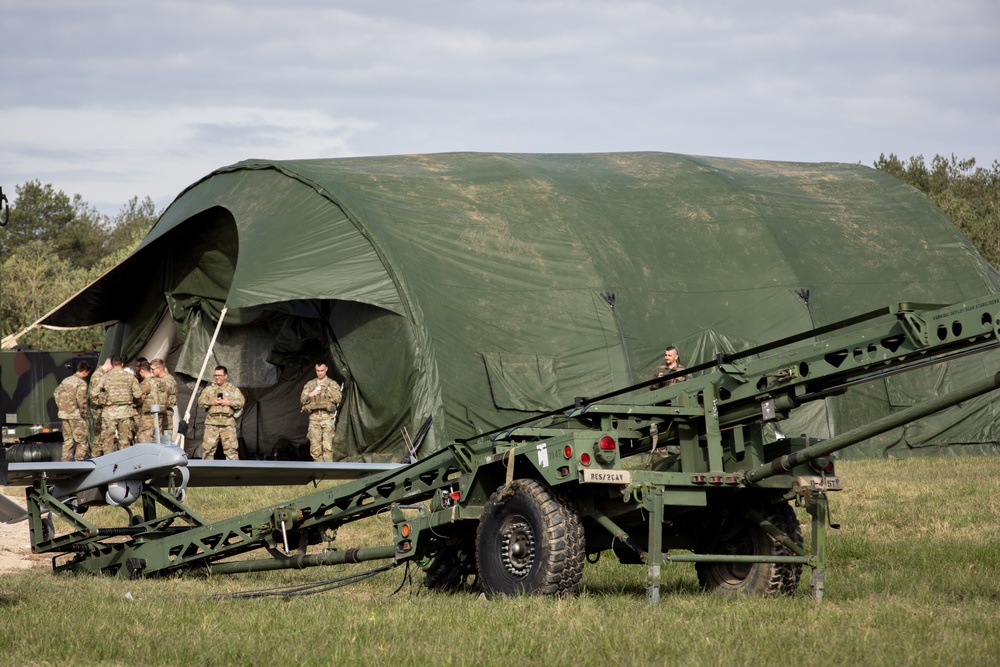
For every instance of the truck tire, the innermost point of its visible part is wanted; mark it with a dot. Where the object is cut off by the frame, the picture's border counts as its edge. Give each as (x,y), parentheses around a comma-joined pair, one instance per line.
(529,541)
(750,539)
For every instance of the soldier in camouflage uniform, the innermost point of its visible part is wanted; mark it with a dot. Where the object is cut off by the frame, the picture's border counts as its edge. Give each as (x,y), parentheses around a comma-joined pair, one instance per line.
(167,389)
(71,399)
(222,400)
(320,398)
(146,430)
(134,370)
(118,395)
(95,386)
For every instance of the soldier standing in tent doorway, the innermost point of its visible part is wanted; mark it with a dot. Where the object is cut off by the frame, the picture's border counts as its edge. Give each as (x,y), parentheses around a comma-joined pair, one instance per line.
(71,399)
(117,394)
(222,400)
(320,398)
(671,364)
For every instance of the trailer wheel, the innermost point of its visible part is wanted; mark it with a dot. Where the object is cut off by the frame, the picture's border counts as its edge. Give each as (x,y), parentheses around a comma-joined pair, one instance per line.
(48,529)
(529,541)
(747,538)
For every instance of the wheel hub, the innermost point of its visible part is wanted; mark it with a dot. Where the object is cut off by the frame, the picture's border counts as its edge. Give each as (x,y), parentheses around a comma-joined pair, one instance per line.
(517,547)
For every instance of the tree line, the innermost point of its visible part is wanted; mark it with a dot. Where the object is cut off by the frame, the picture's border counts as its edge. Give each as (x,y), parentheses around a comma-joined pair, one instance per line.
(54,245)
(968,194)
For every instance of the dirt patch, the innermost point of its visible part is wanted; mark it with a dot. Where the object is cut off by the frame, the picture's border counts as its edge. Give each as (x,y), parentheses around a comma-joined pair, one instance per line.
(15,549)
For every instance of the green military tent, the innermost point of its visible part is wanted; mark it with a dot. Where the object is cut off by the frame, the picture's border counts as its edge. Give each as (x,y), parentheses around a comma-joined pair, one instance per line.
(477,289)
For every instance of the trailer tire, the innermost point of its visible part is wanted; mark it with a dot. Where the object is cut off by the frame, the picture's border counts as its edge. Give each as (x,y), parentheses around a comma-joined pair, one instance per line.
(530,541)
(750,539)
(48,529)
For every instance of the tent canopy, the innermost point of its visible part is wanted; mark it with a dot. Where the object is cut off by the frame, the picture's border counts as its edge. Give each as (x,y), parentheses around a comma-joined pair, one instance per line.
(476,289)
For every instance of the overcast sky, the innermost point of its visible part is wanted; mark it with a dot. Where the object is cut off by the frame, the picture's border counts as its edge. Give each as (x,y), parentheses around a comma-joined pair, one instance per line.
(115,99)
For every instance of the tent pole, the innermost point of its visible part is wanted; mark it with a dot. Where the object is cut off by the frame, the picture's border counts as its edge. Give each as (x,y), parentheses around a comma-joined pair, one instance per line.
(179,437)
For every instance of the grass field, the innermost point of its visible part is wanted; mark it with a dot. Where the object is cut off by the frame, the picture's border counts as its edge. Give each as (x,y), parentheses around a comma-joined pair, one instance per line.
(913,579)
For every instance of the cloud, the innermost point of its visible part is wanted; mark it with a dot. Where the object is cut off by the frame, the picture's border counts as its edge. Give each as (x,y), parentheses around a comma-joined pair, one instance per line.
(124,100)
(115,154)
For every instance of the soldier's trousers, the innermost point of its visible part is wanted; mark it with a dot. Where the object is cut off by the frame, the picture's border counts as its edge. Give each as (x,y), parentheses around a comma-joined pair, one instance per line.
(227,434)
(147,428)
(108,442)
(98,424)
(75,437)
(166,422)
(321,436)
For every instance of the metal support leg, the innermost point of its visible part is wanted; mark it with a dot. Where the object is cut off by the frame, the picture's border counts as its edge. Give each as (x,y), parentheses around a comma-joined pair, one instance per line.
(818,507)
(654,555)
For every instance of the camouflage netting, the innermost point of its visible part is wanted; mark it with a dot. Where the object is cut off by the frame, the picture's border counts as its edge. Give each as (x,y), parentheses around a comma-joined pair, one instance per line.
(475,288)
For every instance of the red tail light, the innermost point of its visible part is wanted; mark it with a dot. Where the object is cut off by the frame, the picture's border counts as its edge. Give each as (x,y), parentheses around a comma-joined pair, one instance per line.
(606,444)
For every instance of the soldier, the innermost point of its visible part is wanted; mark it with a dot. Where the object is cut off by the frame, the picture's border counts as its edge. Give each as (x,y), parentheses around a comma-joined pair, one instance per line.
(168,394)
(95,388)
(320,398)
(222,401)
(118,394)
(134,370)
(71,399)
(146,430)
(671,364)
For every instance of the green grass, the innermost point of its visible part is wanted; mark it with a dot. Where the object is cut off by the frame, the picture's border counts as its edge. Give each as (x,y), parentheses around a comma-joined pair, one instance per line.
(913,579)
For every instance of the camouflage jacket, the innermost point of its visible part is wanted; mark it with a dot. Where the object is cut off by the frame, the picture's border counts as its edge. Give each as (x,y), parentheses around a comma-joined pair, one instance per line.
(119,393)
(326,401)
(150,395)
(96,382)
(158,391)
(71,398)
(221,415)
(167,389)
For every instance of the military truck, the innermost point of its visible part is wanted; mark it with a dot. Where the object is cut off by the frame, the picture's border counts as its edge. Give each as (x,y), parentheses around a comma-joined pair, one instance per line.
(27,380)
(692,472)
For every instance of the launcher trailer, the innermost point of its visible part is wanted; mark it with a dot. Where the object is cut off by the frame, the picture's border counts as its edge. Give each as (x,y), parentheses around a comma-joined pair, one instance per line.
(689,472)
